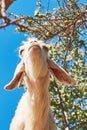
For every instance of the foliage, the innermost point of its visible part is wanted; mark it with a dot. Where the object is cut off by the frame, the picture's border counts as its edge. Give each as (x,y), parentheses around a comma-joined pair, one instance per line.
(64,28)
(69,103)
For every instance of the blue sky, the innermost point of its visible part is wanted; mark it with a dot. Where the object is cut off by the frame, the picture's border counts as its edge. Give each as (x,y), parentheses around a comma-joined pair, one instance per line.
(9,43)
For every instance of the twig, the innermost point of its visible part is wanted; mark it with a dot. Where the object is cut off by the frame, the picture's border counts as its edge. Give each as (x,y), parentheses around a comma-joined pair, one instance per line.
(79,124)
(64,117)
(65,120)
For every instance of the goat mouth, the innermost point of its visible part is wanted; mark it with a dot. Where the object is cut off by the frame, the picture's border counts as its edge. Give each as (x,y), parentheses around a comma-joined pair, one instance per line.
(34,46)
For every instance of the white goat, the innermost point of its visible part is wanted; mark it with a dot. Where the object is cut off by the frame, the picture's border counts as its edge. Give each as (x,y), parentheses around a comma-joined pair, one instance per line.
(33,111)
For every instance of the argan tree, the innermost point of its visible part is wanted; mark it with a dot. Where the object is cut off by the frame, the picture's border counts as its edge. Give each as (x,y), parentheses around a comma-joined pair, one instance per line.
(64,30)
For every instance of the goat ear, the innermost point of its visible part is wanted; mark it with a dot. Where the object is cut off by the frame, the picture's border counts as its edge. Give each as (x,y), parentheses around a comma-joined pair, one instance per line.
(17,79)
(60,73)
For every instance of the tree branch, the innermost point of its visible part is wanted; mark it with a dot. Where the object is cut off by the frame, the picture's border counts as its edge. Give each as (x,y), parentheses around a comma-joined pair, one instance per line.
(55,26)
(19,24)
(64,116)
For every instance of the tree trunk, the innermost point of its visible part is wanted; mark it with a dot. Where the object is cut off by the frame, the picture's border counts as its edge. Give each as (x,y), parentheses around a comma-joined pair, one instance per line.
(4,5)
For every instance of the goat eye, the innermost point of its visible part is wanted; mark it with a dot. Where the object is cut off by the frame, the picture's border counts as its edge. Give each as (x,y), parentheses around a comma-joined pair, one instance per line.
(45,48)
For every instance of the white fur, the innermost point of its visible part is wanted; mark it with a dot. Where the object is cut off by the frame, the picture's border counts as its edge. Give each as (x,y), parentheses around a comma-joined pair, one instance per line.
(33,111)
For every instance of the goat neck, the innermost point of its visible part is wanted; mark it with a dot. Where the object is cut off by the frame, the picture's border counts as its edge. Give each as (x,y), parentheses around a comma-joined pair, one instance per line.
(39,97)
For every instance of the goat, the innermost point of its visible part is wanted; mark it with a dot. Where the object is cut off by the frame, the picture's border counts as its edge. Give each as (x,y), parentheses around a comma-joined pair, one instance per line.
(33,111)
